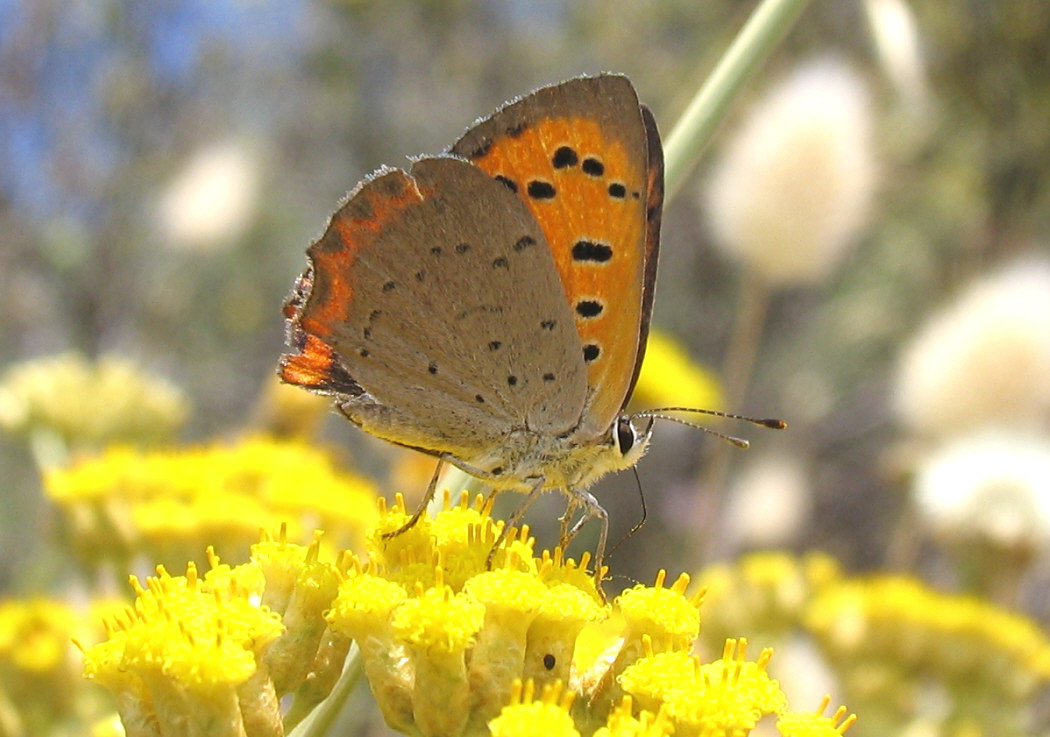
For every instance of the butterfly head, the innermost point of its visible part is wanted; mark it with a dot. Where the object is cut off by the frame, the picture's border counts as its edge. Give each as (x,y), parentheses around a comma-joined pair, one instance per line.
(622,447)
(633,434)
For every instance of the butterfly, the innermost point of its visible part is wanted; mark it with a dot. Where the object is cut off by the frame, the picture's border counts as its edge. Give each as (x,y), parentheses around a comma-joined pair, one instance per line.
(490,305)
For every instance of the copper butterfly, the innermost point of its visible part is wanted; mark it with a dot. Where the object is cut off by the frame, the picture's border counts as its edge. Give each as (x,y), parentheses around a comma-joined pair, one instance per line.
(490,305)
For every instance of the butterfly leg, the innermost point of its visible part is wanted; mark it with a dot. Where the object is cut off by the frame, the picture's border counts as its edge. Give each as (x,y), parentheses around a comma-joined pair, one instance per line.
(591,510)
(515,519)
(490,499)
(423,504)
(567,534)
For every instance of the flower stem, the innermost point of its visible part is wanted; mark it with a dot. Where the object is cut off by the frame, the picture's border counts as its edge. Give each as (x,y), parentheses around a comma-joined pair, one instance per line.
(695,129)
(320,720)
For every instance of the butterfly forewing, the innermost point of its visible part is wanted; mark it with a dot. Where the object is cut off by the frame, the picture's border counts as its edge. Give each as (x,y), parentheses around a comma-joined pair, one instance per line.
(577,154)
(435,296)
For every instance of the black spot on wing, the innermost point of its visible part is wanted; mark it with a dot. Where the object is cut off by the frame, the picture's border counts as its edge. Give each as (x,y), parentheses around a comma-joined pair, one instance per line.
(591,251)
(589,308)
(565,157)
(541,190)
(592,166)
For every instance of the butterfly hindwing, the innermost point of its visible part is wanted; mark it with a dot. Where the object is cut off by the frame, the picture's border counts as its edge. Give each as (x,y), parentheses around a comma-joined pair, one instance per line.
(414,315)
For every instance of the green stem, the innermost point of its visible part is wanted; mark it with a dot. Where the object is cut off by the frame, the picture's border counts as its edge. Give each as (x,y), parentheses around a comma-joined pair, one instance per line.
(320,720)
(695,129)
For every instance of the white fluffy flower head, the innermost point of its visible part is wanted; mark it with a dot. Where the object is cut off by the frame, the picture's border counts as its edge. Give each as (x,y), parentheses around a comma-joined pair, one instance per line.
(211,201)
(984,359)
(992,485)
(794,185)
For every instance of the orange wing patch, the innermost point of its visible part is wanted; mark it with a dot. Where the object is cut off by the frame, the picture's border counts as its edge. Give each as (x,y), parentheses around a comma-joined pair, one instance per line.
(324,294)
(589,196)
(311,367)
(354,227)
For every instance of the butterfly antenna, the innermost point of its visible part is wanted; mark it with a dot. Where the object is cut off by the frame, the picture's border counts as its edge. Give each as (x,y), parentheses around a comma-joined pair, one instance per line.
(660,413)
(731,439)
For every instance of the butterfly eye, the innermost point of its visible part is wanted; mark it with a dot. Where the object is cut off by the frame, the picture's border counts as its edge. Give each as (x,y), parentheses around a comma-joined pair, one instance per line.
(625,435)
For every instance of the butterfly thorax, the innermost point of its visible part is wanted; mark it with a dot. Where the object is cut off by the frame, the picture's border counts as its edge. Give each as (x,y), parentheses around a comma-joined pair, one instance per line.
(568,462)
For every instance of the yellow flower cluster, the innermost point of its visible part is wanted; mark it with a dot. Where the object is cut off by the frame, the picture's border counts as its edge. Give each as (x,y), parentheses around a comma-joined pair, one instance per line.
(168,505)
(39,670)
(970,644)
(90,403)
(764,594)
(215,655)
(891,642)
(525,715)
(549,716)
(727,696)
(450,644)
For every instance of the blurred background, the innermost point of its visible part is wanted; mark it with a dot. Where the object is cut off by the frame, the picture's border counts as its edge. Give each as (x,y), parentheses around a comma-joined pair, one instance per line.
(863,251)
